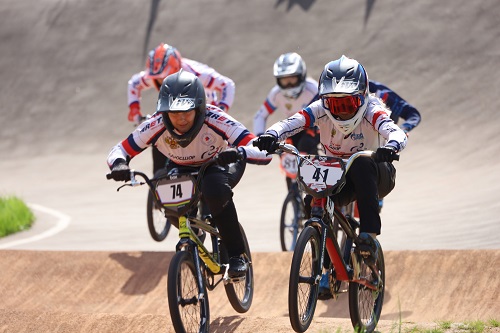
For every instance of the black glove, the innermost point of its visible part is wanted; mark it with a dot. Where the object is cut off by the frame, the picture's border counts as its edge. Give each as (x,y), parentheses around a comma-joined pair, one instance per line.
(228,156)
(267,142)
(120,172)
(385,154)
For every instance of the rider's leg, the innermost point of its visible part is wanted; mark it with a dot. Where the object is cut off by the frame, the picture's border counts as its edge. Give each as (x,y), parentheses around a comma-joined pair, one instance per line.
(217,189)
(159,160)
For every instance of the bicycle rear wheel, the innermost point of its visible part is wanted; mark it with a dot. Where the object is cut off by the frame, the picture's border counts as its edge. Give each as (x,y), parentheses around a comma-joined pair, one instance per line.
(189,313)
(365,305)
(158,224)
(304,279)
(290,222)
(240,293)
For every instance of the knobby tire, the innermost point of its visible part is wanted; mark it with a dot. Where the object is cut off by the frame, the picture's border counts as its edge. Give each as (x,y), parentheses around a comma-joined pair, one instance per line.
(188,313)
(365,305)
(290,224)
(158,224)
(303,286)
(240,294)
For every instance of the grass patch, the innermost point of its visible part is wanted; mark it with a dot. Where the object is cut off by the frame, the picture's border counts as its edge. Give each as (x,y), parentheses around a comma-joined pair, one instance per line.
(14,216)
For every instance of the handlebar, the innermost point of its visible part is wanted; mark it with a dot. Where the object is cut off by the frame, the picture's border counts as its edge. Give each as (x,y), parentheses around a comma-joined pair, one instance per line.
(288,148)
(133,182)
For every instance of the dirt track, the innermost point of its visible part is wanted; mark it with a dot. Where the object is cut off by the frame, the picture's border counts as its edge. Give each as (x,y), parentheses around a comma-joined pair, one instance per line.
(88,265)
(126,292)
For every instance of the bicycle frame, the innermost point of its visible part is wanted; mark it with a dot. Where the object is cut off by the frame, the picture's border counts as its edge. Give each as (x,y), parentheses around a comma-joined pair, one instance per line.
(188,238)
(326,213)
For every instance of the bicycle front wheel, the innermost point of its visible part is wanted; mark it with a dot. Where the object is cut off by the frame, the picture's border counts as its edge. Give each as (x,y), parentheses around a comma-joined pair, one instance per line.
(188,306)
(365,305)
(290,222)
(158,224)
(240,293)
(304,279)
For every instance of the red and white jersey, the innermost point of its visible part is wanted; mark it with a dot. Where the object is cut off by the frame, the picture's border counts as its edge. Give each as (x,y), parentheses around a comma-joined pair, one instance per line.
(220,89)
(218,130)
(277,101)
(375,130)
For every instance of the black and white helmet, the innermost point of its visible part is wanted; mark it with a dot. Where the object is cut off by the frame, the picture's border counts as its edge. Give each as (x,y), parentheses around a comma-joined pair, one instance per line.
(290,64)
(343,89)
(182,92)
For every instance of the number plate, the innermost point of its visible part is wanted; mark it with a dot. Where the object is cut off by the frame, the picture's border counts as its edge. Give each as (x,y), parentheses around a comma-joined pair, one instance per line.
(321,175)
(288,164)
(175,192)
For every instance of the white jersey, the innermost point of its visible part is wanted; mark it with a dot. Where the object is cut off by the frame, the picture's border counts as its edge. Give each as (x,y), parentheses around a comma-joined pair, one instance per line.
(375,130)
(220,90)
(277,101)
(218,130)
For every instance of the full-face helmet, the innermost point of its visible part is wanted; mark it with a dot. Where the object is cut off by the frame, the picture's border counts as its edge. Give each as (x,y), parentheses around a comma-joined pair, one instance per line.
(163,61)
(290,73)
(182,92)
(343,89)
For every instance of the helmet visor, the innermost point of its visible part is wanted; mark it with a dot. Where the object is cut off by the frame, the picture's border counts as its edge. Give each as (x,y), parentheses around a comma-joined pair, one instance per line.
(344,107)
(289,81)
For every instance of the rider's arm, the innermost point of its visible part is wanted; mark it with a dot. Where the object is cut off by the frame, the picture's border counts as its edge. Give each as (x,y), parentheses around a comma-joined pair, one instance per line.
(379,118)
(292,125)
(266,109)
(137,141)
(213,81)
(236,134)
(398,106)
(136,84)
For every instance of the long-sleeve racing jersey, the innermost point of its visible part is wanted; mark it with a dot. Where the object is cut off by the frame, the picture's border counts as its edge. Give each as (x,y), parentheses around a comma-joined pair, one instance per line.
(277,101)
(375,130)
(218,130)
(220,89)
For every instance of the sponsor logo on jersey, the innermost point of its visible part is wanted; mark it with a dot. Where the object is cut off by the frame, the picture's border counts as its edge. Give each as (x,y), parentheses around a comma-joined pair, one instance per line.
(358,136)
(171,142)
(220,118)
(182,158)
(208,139)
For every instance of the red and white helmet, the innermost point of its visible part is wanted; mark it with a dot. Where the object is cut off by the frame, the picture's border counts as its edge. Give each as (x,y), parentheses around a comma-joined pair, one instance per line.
(163,61)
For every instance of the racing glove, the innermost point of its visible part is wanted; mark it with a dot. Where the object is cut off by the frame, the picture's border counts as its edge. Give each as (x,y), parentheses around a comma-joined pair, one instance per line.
(120,172)
(385,154)
(229,156)
(135,115)
(266,142)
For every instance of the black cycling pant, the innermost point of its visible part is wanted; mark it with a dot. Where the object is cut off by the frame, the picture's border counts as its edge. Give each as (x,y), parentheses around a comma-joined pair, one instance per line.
(366,182)
(217,190)
(159,160)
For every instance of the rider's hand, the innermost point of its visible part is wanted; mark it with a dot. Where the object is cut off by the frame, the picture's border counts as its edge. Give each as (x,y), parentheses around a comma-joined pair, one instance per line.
(229,156)
(135,115)
(266,142)
(385,154)
(120,172)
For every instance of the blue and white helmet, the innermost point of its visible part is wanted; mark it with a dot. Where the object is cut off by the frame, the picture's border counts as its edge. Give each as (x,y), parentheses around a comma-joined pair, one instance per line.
(343,89)
(290,64)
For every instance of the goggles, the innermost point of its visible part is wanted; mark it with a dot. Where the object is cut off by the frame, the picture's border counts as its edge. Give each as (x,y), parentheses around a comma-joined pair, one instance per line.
(343,106)
(288,82)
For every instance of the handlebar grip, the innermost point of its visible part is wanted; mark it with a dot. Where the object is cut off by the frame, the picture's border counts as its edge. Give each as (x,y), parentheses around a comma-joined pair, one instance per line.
(108,176)
(396,157)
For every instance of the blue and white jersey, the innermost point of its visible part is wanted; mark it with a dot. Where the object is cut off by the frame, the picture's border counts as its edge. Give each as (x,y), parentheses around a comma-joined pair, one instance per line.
(398,106)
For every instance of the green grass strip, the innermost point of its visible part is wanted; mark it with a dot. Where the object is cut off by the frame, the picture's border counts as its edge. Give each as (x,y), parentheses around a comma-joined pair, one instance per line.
(15,216)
